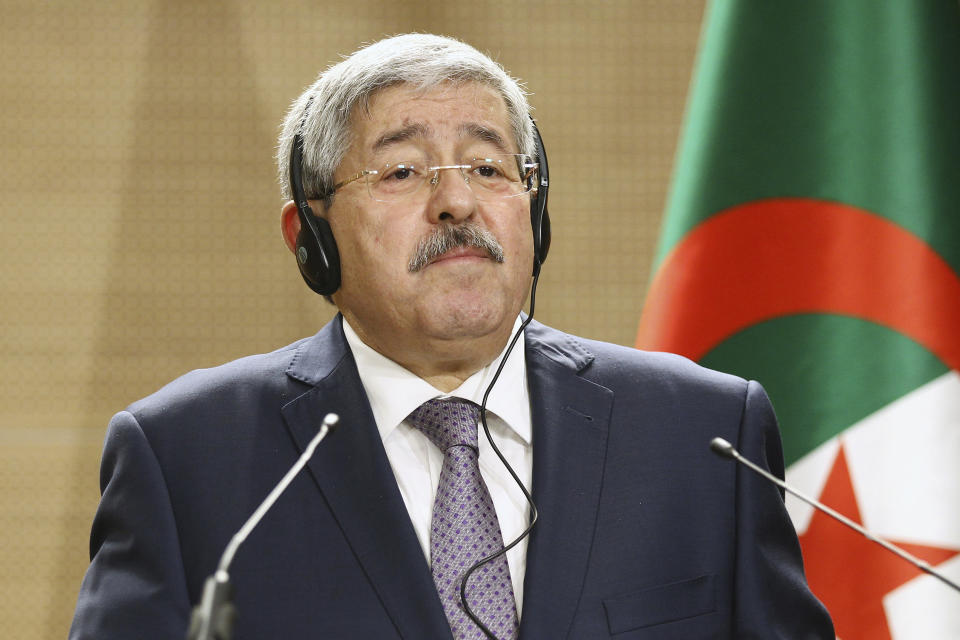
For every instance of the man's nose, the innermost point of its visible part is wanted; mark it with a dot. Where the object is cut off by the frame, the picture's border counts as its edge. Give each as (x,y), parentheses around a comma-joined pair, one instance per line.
(452,199)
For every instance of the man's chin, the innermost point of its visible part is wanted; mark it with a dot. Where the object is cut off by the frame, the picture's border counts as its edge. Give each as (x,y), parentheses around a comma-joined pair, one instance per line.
(466,316)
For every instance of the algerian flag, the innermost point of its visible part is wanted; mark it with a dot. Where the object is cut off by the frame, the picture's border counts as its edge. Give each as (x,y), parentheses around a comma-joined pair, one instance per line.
(812,242)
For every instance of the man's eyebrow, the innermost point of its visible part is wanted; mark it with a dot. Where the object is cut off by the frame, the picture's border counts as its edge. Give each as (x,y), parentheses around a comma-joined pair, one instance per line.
(483,133)
(415,130)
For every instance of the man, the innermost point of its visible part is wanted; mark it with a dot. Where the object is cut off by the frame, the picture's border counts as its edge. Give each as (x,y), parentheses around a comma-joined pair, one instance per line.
(418,160)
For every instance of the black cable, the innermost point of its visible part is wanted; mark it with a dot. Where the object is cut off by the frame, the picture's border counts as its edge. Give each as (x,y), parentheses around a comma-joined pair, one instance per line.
(513,474)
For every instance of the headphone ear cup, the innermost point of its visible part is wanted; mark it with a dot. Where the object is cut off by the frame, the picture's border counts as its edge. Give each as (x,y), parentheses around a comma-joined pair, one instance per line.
(540,221)
(539,218)
(542,239)
(317,254)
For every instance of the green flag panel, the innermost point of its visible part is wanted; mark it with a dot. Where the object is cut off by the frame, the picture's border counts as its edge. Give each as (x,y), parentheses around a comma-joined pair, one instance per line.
(854,101)
(824,372)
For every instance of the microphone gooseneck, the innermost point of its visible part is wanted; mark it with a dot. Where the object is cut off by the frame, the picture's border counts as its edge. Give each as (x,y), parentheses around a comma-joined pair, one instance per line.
(213,618)
(723,448)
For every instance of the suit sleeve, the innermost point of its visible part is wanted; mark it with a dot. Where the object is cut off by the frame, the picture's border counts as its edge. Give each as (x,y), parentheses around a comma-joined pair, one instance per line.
(772,598)
(135,585)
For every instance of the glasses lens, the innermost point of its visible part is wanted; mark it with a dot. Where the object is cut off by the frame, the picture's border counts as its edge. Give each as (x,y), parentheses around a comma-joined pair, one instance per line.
(501,175)
(396,180)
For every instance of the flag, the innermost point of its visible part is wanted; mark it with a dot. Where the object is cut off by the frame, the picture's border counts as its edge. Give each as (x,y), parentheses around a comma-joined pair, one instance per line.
(812,242)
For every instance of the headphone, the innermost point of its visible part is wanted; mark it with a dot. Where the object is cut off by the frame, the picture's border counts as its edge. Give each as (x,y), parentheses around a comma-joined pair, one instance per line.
(317,255)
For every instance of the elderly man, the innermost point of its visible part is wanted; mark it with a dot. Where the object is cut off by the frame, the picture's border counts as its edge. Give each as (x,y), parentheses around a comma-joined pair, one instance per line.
(418,209)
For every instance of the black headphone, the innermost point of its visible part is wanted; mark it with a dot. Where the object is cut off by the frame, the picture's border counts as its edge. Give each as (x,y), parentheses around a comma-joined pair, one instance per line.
(317,254)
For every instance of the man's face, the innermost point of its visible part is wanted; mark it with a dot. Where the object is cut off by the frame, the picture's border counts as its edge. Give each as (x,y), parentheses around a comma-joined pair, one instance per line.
(464,294)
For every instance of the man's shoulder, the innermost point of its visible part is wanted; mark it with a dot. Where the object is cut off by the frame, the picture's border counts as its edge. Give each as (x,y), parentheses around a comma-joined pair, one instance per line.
(240,378)
(613,365)
(273,377)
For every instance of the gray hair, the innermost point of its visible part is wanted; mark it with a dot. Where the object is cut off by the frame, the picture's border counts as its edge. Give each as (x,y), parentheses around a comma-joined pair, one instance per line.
(422,61)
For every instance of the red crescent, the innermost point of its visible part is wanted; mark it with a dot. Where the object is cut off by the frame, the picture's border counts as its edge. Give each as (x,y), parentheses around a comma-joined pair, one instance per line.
(772,258)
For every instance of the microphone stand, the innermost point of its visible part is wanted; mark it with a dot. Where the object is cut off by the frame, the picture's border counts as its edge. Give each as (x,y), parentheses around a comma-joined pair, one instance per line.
(213,618)
(724,449)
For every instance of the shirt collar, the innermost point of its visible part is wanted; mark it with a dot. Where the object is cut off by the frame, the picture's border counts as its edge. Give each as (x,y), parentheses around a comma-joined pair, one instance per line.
(394,392)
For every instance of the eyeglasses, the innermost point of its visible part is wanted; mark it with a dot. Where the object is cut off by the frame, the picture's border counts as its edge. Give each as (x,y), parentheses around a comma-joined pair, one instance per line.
(491,177)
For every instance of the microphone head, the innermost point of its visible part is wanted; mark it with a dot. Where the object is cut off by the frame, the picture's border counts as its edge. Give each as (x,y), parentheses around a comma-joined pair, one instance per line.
(723,448)
(331,420)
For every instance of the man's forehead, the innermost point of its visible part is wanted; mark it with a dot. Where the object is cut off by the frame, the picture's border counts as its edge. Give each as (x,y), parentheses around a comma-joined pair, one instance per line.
(421,131)
(400,112)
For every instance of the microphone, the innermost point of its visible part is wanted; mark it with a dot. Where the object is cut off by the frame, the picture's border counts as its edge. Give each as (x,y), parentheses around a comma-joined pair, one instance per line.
(726,450)
(213,618)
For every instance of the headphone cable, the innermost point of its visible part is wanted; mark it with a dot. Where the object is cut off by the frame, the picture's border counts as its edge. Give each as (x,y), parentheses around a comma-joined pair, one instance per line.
(513,474)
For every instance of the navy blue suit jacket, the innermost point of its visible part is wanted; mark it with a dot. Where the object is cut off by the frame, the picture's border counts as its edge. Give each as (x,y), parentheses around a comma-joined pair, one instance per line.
(643,532)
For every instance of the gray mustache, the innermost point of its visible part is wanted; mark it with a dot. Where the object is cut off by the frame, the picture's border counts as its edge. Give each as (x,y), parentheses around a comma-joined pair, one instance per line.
(448,236)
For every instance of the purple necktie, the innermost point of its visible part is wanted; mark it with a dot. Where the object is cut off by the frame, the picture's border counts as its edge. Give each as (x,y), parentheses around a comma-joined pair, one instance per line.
(465,526)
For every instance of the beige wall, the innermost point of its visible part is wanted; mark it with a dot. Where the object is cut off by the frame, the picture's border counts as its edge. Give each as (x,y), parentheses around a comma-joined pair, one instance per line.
(140,233)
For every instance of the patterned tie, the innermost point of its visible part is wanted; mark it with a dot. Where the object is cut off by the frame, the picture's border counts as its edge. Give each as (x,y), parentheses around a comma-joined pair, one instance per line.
(465,526)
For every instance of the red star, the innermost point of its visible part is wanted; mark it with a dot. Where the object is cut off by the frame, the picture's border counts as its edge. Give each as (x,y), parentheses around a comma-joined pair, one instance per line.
(849,573)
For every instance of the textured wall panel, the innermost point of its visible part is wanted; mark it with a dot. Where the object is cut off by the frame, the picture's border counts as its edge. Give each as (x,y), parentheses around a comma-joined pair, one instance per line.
(140,234)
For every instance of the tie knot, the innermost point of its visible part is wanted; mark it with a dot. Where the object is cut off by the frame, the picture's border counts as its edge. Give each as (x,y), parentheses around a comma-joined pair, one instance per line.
(448,422)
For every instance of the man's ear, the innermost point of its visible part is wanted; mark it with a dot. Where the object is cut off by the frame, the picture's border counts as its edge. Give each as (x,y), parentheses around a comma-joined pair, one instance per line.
(290,225)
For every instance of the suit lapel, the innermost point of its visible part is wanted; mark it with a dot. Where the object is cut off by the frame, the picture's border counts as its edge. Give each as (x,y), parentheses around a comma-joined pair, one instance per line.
(352,472)
(570,422)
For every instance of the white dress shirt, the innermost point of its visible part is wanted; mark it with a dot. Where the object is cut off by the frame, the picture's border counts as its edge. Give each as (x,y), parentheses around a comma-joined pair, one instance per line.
(394,392)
